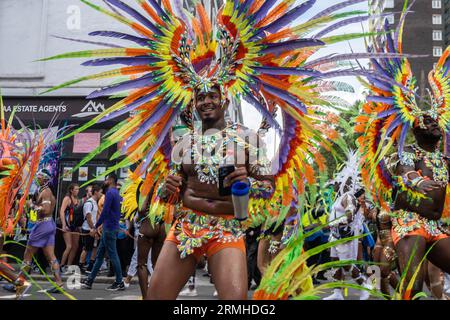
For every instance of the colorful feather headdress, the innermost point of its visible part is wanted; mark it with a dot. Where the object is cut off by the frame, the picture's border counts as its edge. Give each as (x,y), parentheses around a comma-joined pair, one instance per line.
(251,51)
(20,151)
(393,108)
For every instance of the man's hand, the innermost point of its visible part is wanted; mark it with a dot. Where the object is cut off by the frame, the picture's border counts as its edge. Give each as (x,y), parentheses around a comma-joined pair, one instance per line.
(173,184)
(93,233)
(428,185)
(239,174)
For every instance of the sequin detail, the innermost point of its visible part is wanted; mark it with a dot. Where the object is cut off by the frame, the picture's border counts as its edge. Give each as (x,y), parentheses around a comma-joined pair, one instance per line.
(193,230)
(404,222)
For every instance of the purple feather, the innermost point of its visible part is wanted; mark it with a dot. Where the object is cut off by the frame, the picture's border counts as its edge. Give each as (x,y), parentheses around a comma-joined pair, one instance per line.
(130,107)
(386,113)
(351,56)
(113,34)
(135,14)
(180,13)
(262,110)
(263,10)
(289,125)
(401,142)
(393,125)
(286,96)
(135,61)
(346,22)
(379,84)
(386,100)
(401,21)
(335,8)
(287,71)
(245,6)
(378,67)
(276,48)
(287,18)
(162,136)
(362,73)
(159,10)
(110,45)
(158,112)
(125,85)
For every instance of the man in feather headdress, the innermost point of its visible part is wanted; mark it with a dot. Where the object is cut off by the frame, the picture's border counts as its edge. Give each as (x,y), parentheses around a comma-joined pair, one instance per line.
(416,225)
(206,223)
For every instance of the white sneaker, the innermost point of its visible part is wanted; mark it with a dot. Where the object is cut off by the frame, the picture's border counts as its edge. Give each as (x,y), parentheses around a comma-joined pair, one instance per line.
(365,295)
(337,295)
(127,285)
(215,294)
(188,292)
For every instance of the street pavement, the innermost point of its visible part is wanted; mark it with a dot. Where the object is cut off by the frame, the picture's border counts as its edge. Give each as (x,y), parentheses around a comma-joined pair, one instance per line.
(204,288)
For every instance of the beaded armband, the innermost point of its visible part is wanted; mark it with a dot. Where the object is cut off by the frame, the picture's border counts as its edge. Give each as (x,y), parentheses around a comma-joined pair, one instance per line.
(260,189)
(405,185)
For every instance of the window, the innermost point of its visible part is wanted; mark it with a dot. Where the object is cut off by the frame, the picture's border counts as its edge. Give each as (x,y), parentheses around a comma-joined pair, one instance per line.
(390,19)
(437,4)
(437,35)
(437,51)
(437,19)
(389,4)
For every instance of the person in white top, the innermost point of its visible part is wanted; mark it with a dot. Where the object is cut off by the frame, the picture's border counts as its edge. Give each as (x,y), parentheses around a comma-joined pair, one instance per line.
(90,209)
(346,220)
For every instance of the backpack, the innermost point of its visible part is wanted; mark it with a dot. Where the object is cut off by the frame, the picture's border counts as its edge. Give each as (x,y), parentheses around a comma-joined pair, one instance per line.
(78,215)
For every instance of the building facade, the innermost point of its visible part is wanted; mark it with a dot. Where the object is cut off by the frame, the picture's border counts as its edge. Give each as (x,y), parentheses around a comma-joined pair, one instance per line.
(31,30)
(426,30)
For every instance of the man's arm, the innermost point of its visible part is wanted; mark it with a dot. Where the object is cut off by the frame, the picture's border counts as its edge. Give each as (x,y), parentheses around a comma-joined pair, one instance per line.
(87,209)
(410,178)
(106,209)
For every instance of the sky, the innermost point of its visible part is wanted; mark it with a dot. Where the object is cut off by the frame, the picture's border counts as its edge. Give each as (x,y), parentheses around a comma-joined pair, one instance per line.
(253,119)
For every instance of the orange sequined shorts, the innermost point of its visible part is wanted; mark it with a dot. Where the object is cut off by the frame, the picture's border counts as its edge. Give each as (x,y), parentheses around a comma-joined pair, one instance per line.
(406,223)
(197,233)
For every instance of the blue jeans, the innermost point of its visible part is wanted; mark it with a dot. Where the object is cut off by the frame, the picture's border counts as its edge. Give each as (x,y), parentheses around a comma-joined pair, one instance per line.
(107,242)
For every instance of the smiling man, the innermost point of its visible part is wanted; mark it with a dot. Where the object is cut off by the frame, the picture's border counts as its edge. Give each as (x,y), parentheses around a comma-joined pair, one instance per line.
(205,220)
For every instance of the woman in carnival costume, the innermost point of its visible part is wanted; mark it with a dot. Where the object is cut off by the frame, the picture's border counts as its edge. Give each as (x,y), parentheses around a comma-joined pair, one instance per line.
(177,64)
(416,192)
(20,151)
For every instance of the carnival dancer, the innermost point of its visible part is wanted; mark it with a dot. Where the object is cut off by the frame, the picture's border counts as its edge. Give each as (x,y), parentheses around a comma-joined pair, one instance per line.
(254,57)
(19,160)
(345,221)
(43,234)
(417,189)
